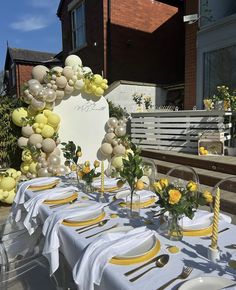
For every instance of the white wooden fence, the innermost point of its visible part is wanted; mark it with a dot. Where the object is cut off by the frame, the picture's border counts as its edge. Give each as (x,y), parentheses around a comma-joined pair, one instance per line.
(178,130)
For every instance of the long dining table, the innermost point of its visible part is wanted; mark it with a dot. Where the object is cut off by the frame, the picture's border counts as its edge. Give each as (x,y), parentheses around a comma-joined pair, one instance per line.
(193,250)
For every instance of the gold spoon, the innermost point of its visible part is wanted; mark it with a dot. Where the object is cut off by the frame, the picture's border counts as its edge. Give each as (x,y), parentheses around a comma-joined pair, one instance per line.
(88,228)
(160,262)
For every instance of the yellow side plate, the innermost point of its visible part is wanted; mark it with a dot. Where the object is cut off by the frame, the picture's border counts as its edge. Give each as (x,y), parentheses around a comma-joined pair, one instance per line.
(130,261)
(70,223)
(61,201)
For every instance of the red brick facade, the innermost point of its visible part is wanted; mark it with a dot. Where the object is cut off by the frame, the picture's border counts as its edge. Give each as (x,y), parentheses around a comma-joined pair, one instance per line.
(191,7)
(144,40)
(23,74)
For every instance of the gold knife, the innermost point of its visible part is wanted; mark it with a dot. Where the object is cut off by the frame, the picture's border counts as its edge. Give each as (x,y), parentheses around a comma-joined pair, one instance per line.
(114,226)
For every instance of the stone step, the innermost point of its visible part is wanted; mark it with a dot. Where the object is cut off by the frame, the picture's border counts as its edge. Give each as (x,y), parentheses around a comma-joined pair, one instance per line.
(224,164)
(208,179)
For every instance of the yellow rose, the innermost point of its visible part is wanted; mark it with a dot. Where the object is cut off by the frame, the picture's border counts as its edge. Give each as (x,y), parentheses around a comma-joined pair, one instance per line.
(87,163)
(157,186)
(86,169)
(174,196)
(192,186)
(96,163)
(79,154)
(164,182)
(73,167)
(80,174)
(208,196)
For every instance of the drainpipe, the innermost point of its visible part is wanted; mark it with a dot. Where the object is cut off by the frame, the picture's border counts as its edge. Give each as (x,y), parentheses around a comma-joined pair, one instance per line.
(108,68)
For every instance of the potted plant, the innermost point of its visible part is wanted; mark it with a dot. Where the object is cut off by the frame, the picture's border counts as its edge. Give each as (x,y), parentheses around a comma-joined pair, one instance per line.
(222,100)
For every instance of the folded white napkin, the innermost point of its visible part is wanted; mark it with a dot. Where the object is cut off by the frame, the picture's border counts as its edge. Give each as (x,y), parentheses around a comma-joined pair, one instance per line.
(108,182)
(202,218)
(51,226)
(144,195)
(32,205)
(89,269)
(20,194)
(233,287)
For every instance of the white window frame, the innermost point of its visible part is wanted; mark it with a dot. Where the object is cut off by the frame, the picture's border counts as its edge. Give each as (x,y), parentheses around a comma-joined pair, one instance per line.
(76,27)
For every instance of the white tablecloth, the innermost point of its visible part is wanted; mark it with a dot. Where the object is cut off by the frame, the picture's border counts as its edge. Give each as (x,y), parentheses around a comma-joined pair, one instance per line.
(193,253)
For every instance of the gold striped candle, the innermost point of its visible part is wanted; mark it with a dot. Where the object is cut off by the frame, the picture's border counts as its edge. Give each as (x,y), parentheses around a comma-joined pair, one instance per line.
(216,217)
(102,177)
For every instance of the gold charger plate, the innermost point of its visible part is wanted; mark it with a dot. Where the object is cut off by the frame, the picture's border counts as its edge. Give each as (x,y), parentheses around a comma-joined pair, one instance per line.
(142,204)
(44,187)
(63,200)
(140,259)
(88,222)
(109,189)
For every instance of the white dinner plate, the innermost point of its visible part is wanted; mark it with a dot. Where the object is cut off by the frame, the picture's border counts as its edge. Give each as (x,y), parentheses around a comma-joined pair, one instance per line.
(139,250)
(108,182)
(86,216)
(206,283)
(61,196)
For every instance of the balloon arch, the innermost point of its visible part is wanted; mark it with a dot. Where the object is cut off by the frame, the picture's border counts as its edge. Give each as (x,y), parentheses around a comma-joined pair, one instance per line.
(40,125)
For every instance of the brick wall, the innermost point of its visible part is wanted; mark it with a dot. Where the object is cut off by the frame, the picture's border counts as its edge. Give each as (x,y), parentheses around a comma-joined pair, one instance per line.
(147,40)
(190,56)
(91,54)
(23,74)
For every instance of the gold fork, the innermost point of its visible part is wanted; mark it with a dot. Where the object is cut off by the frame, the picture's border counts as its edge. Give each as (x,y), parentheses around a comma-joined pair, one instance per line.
(183,275)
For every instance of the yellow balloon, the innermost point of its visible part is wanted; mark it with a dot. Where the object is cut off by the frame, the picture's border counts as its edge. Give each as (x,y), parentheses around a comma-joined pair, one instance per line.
(47,112)
(41,118)
(18,116)
(54,120)
(32,167)
(24,167)
(7,183)
(117,162)
(10,198)
(47,131)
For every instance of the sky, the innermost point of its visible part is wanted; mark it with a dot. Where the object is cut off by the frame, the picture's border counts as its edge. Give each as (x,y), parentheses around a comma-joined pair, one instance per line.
(29,24)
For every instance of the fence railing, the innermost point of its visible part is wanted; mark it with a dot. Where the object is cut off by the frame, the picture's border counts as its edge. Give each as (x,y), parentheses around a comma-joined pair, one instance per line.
(177,130)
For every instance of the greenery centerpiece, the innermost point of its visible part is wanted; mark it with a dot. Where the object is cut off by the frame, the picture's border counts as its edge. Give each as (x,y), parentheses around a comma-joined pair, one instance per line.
(178,200)
(131,172)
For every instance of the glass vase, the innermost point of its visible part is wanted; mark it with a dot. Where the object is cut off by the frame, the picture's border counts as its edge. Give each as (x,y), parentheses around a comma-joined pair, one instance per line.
(133,204)
(175,229)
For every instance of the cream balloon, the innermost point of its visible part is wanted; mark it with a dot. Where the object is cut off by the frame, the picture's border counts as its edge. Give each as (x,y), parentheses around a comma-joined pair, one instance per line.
(109,137)
(120,131)
(34,139)
(32,81)
(61,170)
(57,69)
(68,72)
(37,105)
(38,72)
(61,82)
(56,151)
(48,145)
(68,90)
(79,84)
(60,94)
(22,142)
(119,150)
(106,149)
(27,131)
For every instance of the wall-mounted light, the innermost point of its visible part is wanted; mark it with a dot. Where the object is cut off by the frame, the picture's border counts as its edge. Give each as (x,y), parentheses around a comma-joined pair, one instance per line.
(192,18)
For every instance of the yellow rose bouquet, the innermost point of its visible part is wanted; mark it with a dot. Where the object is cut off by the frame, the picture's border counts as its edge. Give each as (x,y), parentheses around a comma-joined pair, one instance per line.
(86,173)
(178,199)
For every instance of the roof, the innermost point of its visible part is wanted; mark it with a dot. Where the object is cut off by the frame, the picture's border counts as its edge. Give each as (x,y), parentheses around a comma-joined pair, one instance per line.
(59,8)
(26,55)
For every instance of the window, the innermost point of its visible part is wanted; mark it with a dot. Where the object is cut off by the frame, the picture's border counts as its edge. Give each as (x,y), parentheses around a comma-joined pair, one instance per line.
(219,69)
(78,26)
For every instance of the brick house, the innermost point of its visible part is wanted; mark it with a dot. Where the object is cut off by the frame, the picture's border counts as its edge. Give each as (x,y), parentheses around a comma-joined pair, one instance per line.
(19,64)
(210,49)
(135,40)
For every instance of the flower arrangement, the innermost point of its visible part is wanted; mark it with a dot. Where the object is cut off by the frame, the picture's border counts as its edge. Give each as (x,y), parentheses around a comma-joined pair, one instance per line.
(86,173)
(178,199)
(147,102)
(138,99)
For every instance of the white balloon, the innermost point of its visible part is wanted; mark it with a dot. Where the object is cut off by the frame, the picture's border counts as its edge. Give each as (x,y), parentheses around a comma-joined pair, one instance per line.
(86,70)
(32,81)
(73,60)
(35,89)
(54,160)
(27,131)
(68,72)
(43,172)
(38,72)
(50,95)
(37,105)
(79,84)
(22,142)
